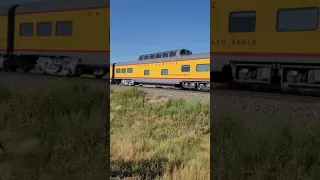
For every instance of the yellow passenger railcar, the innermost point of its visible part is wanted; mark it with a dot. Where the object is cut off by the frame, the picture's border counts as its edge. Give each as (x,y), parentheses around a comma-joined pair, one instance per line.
(267,42)
(70,37)
(65,30)
(180,69)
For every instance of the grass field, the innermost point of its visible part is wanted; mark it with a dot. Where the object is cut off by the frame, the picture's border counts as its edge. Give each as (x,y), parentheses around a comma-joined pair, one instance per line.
(159,138)
(47,134)
(258,149)
(53,133)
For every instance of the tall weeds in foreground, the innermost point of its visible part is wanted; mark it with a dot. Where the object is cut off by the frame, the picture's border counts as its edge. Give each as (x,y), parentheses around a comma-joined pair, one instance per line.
(159,138)
(258,150)
(53,133)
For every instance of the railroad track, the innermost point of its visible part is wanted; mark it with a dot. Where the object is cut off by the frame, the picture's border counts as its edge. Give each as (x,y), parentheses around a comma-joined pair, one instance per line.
(104,80)
(304,98)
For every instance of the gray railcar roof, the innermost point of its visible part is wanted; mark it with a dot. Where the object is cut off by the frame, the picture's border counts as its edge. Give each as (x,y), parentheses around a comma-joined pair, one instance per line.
(47,6)
(194,56)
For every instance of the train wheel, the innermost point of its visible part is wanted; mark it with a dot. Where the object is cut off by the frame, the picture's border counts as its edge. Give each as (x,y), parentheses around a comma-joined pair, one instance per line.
(200,87)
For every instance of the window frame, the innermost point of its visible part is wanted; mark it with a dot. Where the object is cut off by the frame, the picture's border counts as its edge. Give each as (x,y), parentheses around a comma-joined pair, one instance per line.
(45,22)
(185,65)
(172,53)
(249,11)
(167,52)
(146,57)
(183,52)
(153,56)
(56,28)
(202,64)
(118,71)
(164,74)
(25,23)
(292,9)
(158,56)
(144,72)
(128,70)
(123,70)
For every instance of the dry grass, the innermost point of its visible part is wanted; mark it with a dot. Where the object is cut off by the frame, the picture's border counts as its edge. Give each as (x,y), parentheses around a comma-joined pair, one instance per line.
(58,133)
(54,133)
(159,138)
(255,149)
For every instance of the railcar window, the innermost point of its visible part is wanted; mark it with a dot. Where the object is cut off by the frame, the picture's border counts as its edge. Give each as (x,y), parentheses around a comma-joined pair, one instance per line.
(159,55)
(129,70)
(146,72)
(298,19)
(242,21)
(183,52)
(117,70)
(153,56)
(141,57)
(64,28)
(146,57)
(165,54)
(26,29)
(173,53)
(203,67)
(185,68)
(123,70)
(44,29)
(164,71)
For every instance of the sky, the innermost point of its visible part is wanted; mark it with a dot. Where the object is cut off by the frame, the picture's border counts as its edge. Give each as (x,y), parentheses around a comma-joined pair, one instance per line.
(150,26)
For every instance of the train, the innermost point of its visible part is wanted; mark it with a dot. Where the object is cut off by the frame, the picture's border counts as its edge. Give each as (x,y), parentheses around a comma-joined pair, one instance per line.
(66,38)
(266,44)
(178,68)
(269,44)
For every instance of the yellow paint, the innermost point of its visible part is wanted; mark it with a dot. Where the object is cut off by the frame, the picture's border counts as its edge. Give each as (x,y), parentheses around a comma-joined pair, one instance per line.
(90,32)
(268,40)
(3,32)
(174,70)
